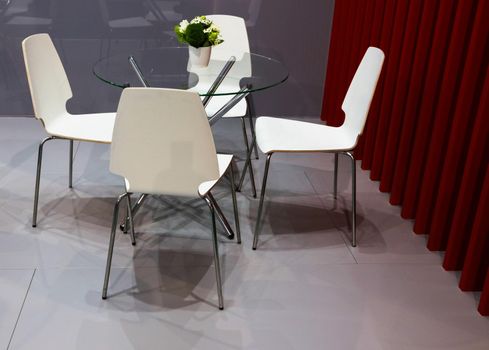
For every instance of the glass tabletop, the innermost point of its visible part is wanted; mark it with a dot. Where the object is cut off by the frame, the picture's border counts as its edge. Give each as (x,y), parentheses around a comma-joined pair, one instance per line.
(169,67)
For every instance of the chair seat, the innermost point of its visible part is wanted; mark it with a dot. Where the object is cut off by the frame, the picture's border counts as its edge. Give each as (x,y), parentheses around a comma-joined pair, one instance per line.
(96,127)
(223,161)
(216,103)
(285,135)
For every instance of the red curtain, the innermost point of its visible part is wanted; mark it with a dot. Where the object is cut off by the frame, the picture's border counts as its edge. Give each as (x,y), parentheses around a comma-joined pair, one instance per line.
(427,135)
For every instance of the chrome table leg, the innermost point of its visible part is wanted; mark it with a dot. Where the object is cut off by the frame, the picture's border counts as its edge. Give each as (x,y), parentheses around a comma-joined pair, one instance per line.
(251,113)
(262,197)
(235,203)
(246,165)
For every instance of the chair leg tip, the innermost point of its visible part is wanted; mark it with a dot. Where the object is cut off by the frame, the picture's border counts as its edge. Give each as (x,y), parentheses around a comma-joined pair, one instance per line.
(221,307)
(104,297)
(34,225)
(254,248)
(133,243)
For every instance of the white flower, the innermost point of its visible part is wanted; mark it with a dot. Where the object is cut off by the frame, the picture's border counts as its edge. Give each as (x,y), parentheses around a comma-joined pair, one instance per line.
(202,20)
(183,25)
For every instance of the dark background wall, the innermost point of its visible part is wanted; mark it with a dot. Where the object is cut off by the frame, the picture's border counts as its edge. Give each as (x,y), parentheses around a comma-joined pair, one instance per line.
(296,33)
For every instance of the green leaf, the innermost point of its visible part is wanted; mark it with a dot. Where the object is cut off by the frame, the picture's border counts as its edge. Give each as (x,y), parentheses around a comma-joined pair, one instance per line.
(194,35)
(180,36)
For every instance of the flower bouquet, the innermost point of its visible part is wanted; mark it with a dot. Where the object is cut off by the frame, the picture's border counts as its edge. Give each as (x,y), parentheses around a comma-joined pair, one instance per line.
(200,34)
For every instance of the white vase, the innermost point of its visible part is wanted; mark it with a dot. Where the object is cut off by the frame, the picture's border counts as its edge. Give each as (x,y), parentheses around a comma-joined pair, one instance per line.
(199,57)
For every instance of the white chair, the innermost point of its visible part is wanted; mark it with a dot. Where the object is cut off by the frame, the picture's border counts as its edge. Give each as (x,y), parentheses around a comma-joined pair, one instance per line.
(163,145)
(50,90)
(281,135)
(233,30)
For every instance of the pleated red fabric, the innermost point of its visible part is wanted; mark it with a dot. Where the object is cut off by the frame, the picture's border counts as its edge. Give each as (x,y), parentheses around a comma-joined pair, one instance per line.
(426,137)
(430,97)
(476,260)
(466,105)
(417,83)
(384,44)
(484,303)
(391,77)
(444,115)
(400,94)
(470,194)
(371,33)
(364,37)
(367,139)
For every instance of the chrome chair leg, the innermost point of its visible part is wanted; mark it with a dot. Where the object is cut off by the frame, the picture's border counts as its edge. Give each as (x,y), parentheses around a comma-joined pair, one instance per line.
(111,245)
(245,135)
(335,190)
(216,253)
(252,127)
(235,204)
(220,216)
(251,113)
(243,173)
(262,197)
(353,199)
(38,179)
(70,175)
(130,219)
(139,203)
(247,162)
(125,223)
(135,209)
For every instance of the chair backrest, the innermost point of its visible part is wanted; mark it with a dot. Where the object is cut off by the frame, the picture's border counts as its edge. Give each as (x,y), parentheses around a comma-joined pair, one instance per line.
(48,83)
(235,35)
(162,142)
(361,91)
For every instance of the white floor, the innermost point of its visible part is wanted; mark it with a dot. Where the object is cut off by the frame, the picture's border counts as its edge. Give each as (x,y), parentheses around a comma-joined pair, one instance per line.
(304,288)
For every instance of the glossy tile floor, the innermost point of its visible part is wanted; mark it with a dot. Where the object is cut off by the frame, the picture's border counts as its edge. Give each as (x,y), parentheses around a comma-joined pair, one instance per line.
(304,288)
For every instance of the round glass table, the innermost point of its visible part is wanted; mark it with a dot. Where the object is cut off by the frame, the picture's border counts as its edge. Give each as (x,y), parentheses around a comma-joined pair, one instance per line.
(229,79)
(169,67)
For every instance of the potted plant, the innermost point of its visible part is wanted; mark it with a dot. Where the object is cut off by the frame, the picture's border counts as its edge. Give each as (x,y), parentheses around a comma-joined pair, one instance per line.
(200,34)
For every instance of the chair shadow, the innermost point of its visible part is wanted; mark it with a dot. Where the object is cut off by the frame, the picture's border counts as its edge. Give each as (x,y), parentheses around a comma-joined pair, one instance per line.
(281,219)
(189,281)
(166,278)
